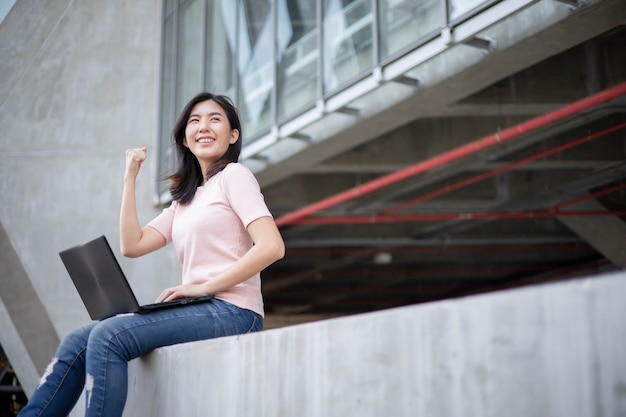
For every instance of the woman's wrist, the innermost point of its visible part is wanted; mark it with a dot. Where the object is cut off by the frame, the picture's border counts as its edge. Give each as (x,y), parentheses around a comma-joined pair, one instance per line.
(129,179)
(207,288)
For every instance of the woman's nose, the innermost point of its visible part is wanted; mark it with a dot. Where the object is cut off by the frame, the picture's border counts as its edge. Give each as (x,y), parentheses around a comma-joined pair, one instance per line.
(203,126)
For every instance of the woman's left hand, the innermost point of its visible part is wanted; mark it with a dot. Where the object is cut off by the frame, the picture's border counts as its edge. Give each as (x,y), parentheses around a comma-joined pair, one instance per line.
(182,291)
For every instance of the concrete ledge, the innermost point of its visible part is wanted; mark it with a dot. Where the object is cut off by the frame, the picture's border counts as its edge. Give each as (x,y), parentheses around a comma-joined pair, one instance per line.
(549,350)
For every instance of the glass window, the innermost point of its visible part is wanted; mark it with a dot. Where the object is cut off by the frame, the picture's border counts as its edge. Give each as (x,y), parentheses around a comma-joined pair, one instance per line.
(405,22)
(347,40)
(276,58)
(255,64)
(189,80)
(298,54)
(459,7)
(166,157)
(221,41)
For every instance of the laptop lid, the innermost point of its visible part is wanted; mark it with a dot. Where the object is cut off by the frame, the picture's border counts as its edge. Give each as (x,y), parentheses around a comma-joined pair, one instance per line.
(99,279)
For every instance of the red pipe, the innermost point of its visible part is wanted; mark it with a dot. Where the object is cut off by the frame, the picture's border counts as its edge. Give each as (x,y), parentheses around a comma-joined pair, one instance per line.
(457,153)
(431,217)
(480,177)
(404,250)
(505,168)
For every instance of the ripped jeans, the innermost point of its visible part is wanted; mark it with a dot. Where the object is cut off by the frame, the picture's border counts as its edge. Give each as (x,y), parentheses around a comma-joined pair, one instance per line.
(96,356)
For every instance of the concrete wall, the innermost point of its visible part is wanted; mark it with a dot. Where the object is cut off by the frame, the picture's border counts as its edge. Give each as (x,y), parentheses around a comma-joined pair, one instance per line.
(549,350)
(78,85)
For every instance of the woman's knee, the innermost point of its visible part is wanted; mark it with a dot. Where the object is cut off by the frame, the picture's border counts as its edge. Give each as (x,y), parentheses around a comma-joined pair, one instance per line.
(101,333)
(76,340)
(113,336)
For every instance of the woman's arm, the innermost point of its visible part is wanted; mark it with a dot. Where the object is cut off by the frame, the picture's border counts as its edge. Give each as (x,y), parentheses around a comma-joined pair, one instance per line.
(135,241)
(268,248)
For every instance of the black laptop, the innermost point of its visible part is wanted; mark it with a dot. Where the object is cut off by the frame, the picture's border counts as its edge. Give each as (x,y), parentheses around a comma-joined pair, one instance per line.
(101,283)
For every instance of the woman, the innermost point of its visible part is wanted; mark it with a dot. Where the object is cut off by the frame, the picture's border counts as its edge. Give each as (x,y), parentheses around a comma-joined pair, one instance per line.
(223,234)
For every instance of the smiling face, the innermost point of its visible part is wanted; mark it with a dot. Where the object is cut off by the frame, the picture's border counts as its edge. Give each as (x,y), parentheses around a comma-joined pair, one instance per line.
(208,133)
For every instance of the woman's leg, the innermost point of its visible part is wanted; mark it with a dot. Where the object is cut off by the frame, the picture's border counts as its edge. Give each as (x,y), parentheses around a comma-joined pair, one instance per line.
(116,341)
(63,381)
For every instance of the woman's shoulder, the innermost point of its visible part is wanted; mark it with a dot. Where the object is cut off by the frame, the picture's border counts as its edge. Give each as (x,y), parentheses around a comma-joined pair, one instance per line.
(235,167)
(238,176)
(237,170)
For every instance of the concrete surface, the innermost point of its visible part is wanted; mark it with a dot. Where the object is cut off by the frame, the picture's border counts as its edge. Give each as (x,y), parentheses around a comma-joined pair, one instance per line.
(79,85)
(548,350)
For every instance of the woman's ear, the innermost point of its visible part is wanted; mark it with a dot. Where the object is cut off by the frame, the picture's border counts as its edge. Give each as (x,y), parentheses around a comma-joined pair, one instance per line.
(234,136)
(185,142)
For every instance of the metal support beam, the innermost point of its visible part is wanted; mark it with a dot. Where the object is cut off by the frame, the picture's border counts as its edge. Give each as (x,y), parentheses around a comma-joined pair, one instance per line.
(452,155)
(606,234)
(6,387)
(14,389)
(484,43)
(300,136)
(410,81)
(350,111)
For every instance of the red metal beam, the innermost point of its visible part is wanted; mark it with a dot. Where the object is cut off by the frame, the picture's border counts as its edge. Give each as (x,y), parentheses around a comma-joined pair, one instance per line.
(436,217)
(453,248)
(507,167)
(457,153)
(388,216)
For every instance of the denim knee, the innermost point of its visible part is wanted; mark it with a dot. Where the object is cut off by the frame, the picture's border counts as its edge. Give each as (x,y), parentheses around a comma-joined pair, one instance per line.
(73,344)
(113,336)
(100,337)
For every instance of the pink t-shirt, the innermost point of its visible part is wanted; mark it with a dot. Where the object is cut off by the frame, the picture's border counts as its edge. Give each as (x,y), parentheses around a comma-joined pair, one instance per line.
(209,234)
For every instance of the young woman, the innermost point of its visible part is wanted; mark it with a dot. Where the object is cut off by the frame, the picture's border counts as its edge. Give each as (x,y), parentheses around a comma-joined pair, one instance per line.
(224,236)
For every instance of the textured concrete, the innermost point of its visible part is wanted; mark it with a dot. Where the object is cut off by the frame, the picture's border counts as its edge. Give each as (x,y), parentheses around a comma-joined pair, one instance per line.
(29,318)
(79,85)
(549,350)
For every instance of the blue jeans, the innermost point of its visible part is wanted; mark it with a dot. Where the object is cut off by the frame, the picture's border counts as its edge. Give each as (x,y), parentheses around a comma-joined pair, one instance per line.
(96,356)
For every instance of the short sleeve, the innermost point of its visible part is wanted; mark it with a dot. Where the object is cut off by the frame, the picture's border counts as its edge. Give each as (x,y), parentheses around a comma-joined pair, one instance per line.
(244,194)
(163,222)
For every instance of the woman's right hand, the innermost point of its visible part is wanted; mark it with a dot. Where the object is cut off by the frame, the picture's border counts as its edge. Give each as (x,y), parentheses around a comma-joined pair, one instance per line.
(135,241)
(134,159)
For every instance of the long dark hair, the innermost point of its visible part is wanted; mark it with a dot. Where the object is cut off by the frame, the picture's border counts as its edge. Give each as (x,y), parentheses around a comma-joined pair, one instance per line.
(188,175)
